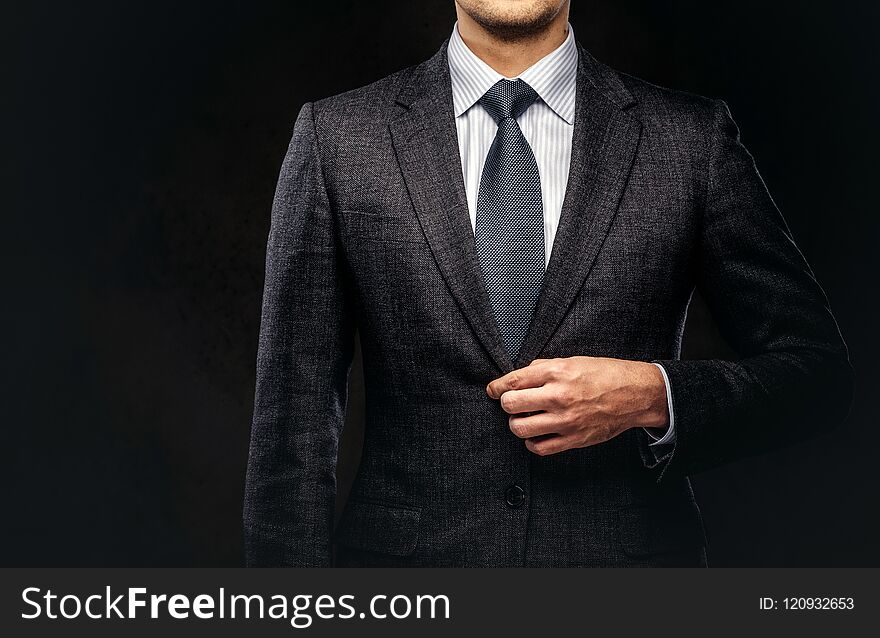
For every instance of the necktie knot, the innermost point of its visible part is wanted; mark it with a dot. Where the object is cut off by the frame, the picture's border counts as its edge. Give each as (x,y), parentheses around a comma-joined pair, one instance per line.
(508,98)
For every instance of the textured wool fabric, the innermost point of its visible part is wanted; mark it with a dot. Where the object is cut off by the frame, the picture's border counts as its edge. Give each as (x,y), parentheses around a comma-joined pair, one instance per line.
(509,230)
(371,233)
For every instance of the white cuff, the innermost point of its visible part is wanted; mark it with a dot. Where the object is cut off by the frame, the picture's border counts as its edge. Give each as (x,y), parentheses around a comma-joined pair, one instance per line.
(668,437)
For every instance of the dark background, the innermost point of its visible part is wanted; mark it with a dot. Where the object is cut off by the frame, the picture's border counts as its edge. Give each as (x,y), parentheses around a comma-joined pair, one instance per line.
(141,146)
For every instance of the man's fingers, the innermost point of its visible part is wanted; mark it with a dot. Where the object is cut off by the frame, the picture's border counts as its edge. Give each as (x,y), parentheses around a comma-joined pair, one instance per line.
(552,444)
(526,426)
(528,377)
(528,400)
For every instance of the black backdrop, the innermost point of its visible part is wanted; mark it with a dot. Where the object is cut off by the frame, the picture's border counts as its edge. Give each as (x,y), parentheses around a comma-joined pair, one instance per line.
(141,146)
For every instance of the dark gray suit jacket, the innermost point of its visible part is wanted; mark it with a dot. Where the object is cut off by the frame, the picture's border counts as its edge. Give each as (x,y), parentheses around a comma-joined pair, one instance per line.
(370,232)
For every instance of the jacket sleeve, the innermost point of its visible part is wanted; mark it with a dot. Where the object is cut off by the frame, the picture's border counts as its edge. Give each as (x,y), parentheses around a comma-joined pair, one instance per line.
(792,378)
(304,356)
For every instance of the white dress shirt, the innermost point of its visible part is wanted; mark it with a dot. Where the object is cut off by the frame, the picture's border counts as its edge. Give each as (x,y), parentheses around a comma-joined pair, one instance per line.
(547,125)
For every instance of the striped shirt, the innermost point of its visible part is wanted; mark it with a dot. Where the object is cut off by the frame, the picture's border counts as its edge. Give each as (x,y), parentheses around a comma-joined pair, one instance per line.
(547,124)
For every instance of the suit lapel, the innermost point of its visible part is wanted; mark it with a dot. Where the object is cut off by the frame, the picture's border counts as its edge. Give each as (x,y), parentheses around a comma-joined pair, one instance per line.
(605,139)
(426,145)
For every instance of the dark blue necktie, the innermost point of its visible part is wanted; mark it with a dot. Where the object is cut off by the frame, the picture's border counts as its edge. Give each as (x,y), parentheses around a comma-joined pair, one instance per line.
(509,229)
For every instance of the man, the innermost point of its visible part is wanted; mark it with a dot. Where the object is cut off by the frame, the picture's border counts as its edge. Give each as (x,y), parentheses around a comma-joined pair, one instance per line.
(515,230)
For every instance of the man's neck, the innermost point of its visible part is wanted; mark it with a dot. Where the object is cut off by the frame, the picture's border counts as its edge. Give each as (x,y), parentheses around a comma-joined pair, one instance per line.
(512,57)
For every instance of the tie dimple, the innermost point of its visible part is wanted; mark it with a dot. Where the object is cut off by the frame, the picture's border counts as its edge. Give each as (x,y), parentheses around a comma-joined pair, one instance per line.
(509,229)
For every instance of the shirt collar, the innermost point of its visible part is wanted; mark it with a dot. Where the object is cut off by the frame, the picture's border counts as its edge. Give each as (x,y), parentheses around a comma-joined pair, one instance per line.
(552,77)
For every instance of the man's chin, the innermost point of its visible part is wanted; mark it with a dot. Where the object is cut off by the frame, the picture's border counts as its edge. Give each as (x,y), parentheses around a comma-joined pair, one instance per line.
(512,24)
(515,29)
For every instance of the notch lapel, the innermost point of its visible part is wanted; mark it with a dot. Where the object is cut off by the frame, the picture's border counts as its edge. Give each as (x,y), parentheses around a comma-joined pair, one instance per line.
(426,145)
(604,143)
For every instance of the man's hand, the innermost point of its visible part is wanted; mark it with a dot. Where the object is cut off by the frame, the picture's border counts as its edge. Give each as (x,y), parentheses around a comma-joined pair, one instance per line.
(560,404)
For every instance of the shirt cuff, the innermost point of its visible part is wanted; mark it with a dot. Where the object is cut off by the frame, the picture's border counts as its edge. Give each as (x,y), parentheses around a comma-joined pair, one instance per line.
(668,437)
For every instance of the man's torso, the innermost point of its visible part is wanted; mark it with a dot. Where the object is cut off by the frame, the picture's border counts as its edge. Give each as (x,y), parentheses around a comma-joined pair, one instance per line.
(442,480)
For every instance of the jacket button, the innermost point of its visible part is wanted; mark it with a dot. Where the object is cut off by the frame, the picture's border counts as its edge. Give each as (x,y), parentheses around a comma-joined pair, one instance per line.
(514,496)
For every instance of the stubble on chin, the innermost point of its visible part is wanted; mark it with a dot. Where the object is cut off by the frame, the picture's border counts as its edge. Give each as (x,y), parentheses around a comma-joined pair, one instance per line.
(510,23)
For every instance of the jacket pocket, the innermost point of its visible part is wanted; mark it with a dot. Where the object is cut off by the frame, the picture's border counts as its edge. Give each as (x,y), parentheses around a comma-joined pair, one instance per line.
(379,527)
(659,529)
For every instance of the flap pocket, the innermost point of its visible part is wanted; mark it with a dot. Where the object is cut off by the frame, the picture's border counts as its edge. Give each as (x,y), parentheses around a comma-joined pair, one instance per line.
(379,527)
(389,227)
(657,529)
